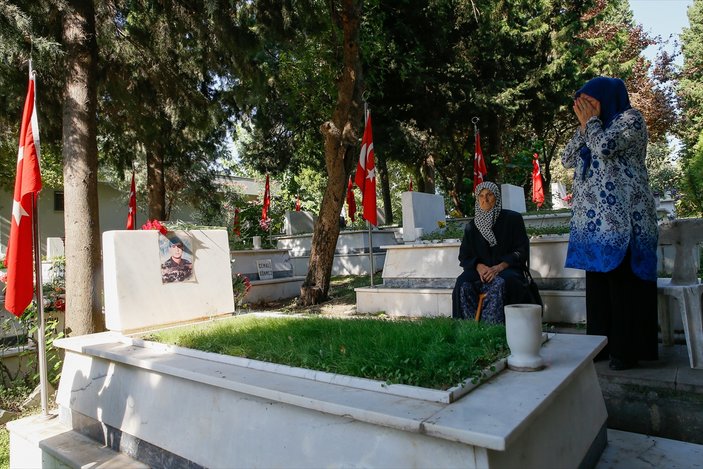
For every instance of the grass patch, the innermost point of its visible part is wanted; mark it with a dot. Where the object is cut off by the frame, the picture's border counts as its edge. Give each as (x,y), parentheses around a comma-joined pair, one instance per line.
(435,353)
(11,399)
(342,287)
(547,230)
(4,447)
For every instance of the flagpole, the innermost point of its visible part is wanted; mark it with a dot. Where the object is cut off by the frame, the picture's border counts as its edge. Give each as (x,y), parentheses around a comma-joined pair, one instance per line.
(43,375)
(368,223)
(135,196)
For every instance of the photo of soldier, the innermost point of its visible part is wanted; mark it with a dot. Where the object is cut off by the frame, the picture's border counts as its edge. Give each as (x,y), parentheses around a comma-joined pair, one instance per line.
(177,259)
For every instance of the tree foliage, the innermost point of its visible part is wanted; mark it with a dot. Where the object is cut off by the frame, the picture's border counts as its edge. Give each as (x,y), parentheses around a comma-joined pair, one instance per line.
(690,90)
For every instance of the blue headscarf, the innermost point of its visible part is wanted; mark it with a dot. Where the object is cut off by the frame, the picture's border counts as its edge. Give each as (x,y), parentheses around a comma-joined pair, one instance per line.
(614,100)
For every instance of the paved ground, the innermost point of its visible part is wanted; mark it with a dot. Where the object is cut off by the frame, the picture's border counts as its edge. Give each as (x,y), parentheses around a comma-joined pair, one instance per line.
(634,451)
(671,371)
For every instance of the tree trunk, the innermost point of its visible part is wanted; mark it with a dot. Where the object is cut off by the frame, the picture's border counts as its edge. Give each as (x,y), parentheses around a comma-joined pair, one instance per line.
(428,175)
(385,189)
(156,183)
(80,172)
(341,146)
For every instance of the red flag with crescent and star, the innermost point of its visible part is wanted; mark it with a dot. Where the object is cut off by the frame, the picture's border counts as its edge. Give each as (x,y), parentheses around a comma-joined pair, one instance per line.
(19,260)
(537,184)
(365,177)
(132,214)
(236,228)
(267,200)
(480,170)
(351,202)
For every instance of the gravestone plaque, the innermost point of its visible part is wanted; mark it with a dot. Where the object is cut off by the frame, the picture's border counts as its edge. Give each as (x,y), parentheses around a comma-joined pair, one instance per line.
(265,269)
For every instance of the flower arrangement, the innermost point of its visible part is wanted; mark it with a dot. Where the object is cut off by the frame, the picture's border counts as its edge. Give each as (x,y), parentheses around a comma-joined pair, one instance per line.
(265,224)
(568,198)
(155,225)
(241,286)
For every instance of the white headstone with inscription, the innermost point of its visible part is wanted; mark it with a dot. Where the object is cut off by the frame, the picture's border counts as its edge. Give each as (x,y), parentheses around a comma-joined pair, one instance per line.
(299,222)
(138,298)
(559,195)
(54,247)
(513,197)
(421,210)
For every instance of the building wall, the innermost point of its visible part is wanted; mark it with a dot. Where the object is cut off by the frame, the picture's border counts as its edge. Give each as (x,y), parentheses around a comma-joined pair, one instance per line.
(112,209)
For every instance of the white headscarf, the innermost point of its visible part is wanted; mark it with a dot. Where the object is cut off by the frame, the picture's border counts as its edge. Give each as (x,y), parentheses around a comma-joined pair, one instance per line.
(484,221)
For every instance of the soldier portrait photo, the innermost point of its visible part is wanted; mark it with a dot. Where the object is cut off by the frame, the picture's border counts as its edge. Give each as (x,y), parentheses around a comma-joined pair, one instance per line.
(176,259)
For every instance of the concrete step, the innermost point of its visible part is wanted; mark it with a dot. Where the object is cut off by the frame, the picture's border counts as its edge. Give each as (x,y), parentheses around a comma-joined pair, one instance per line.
(662,398)
(37,441)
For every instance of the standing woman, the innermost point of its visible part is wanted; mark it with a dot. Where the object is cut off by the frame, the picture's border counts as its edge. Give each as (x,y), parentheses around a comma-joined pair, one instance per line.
(614,227)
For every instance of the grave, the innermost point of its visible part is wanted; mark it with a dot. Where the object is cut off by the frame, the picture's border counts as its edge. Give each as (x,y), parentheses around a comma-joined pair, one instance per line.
(270,272)
(418,280)
(128,395)
(54,248)
(132,274)
(513,198)
(559,195)
(421,211)
(299,222)
(351,255)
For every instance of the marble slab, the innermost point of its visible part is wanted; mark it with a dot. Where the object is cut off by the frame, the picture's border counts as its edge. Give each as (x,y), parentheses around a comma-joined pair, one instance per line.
(136,297)
(514,420)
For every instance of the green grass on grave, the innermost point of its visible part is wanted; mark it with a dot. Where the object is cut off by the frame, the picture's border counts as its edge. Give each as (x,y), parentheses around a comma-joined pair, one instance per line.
(435,353)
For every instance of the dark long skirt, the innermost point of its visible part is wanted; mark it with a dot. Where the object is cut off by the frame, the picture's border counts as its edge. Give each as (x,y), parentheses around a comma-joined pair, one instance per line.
(623,307)
(514,292)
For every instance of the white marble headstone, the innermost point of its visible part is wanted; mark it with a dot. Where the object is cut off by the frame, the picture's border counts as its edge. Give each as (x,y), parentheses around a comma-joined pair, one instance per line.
(136,297)
(558,195)
(421,210)
(54,247)
(299,222)
(513,197)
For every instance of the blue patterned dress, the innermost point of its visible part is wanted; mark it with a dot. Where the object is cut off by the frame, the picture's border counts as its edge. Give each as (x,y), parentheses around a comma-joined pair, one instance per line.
(613,208)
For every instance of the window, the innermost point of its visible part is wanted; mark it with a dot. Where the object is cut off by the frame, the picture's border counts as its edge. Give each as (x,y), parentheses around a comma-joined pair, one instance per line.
(58,201)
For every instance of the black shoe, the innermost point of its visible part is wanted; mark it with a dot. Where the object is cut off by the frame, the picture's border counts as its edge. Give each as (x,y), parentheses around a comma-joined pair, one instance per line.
(620,364)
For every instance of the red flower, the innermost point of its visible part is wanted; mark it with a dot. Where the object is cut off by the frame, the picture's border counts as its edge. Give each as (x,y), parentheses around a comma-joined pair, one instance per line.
(155,225)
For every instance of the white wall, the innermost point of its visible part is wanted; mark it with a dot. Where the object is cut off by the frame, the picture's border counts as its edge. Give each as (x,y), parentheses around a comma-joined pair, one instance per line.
(112,206)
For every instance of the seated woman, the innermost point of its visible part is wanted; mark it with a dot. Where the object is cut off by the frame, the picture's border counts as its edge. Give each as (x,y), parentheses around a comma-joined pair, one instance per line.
(494,251)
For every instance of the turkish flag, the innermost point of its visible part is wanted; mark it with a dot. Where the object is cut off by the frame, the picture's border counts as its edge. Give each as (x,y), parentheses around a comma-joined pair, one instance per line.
(537,185)
(237,224)
(297,203)
(19,260)
(480,170)
(410,186)
(365,177)
(132,214)
(267,200)
(351,202)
